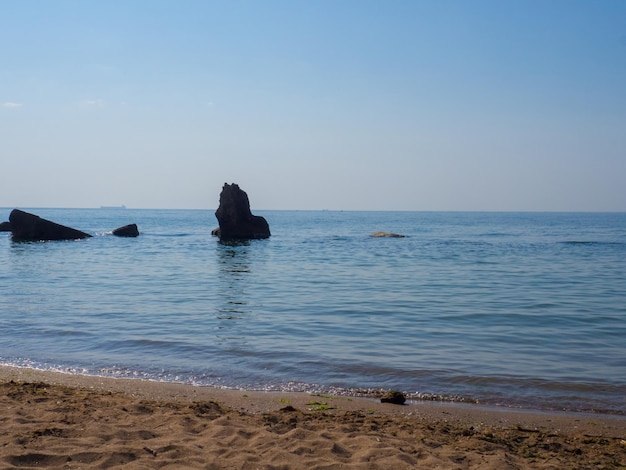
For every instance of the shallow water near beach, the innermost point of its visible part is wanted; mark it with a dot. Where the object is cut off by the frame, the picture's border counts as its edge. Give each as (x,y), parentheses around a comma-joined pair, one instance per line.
(510,309)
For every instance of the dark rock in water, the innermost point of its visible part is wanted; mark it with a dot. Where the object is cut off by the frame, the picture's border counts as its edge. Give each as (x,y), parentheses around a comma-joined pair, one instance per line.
(386,234)
(130,230)
(30,227)
(5,226)
(393,396)
(234,216)
(215,232)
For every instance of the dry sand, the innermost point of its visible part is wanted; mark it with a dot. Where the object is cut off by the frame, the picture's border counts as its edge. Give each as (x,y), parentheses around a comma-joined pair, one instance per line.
(52,420)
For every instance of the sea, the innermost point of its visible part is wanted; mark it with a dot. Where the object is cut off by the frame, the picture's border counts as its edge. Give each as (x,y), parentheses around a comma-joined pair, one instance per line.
(514,310)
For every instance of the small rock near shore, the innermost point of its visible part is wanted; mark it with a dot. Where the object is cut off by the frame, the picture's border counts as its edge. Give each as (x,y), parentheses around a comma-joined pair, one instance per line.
(393,396)
(130,230)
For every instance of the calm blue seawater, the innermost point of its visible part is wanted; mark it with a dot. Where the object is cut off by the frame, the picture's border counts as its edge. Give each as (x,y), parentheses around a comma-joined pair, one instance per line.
(513,309)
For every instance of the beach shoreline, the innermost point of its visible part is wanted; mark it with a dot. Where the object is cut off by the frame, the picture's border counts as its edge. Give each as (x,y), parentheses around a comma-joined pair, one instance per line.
(60,420)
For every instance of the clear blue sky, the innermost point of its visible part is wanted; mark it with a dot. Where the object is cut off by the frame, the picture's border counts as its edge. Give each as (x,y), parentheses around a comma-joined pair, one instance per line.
(368,105)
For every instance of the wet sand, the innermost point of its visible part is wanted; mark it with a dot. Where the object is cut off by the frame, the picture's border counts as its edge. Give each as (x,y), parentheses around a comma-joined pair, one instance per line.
(54,420)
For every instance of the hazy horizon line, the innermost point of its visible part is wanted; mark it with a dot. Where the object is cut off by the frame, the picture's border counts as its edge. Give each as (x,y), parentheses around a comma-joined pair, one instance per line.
(512,211)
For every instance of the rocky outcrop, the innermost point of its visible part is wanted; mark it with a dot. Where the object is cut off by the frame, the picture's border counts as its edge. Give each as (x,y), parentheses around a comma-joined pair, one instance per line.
(386,234)
(5,226)
(130,230)
(234,216)
(30,227)
(393,396)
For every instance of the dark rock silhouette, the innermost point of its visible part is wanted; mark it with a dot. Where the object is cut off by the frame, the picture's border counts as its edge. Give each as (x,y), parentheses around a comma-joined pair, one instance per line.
(234,216)
(30,227)
(5,226)
(393,396)
(130,230)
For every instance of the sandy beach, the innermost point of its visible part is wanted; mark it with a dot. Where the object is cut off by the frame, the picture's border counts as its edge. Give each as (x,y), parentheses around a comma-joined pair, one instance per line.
(54,420)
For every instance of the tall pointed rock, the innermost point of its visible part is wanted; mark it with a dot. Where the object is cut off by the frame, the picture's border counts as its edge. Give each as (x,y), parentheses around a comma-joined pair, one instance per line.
(234,216)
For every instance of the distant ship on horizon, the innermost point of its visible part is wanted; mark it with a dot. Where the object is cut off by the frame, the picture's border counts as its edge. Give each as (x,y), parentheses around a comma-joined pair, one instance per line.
(113,207)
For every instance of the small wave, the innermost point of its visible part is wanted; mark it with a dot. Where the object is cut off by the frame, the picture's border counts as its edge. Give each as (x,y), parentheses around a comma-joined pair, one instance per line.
(498,234)
(590,243)
(171,235)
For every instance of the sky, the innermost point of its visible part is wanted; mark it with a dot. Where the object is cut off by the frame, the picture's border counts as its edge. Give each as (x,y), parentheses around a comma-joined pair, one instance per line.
(440,105)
